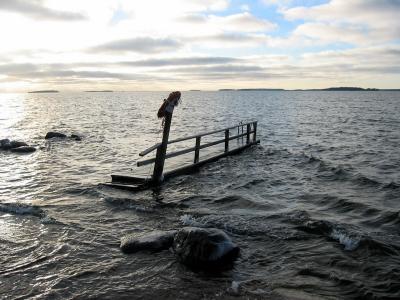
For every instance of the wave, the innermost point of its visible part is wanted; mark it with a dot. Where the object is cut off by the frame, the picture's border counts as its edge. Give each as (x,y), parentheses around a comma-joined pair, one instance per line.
(252,183)
(344,205)
(350,286)
(126,203)
(22,209)
(329,171)
(243,226)
(29,210)
(386,219)
(231,224)
(350,242)
(392,186)
(239,202)
(366,181)
(350,238)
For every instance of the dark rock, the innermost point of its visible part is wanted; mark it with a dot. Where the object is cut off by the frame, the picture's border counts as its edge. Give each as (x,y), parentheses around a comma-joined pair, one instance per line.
(154,241)
(5,144)
(24,149)
(205,248)
(75,137)
(17,144)
(52,134)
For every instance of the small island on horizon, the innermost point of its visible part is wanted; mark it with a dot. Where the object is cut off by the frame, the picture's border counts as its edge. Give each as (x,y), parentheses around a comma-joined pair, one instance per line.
(43,91)
(99,91)
(344,88)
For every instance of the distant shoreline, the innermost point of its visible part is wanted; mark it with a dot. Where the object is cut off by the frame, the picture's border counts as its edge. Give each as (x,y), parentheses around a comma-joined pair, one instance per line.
(334,89)
(43,91)
(100,91)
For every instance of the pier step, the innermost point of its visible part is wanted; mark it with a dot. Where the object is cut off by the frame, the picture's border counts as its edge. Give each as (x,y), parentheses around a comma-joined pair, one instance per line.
(125,186)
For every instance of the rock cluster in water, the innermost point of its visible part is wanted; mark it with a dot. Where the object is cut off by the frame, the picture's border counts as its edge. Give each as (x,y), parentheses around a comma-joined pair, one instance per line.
(195,247)
(22,147)
(54,134)
(16,146)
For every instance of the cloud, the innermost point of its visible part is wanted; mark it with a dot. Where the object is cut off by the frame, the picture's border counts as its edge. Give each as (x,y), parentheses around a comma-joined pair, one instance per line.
(139,45)
(377,19)
(199,43)
(244,22)
(314,69)
(15,69)
(324,33)
(162,62)
(36,9)
(234,69)
(241,22)
(229,40)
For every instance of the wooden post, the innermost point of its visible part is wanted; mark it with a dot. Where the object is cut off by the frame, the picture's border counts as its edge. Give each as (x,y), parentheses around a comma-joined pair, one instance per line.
(197,150)
(162,149)
(255,131)
(227,140)
(248,134)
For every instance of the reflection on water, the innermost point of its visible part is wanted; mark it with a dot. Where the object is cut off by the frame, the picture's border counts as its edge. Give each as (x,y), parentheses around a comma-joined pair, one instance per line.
(314,208)
(12,111)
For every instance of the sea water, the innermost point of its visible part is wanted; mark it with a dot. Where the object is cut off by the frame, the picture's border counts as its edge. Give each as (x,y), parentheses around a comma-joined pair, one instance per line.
(314,208)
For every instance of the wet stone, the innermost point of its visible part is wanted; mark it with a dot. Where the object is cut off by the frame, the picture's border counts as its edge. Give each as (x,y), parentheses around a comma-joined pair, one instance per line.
(5,144)
(53,134)
(17,144)
(154,241)
(24,149)
(204,248)
(76,137)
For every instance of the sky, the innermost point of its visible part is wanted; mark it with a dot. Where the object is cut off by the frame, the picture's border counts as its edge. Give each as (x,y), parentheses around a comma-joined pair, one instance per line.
(128,45)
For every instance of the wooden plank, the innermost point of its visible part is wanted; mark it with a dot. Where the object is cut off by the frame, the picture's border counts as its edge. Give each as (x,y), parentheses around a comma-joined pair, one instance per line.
(162,149)
(147,151)
(127,187)
(128,179)
(221,141)
(248,134)
(203,134)
(197,150)
(184,151)
(193,167)
(255,131)
(176,172)
(172,154)
(154,147)
(227,140)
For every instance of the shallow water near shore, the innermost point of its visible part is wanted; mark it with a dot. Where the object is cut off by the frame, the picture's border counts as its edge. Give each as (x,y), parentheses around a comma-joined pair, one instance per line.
(314,208)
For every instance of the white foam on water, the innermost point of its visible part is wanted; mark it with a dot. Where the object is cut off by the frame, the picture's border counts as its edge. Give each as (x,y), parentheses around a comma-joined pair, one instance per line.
(350,243)
(235,287)
(189,220)
(48,220)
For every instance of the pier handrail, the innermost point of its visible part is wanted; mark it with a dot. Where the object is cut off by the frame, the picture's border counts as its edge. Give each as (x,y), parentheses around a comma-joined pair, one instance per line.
(148,150)
(155,146)
(197,147)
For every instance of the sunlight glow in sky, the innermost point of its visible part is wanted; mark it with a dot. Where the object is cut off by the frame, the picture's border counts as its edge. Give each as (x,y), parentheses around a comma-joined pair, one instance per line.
(198,44)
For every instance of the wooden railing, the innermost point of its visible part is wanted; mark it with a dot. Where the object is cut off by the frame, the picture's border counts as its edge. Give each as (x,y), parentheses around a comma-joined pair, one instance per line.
(243,130)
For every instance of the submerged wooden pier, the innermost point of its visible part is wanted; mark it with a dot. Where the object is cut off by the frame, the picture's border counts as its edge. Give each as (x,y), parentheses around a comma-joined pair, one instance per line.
(245,134)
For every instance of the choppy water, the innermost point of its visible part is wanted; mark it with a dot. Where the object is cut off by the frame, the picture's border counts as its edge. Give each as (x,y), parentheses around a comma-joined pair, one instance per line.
(315,208)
